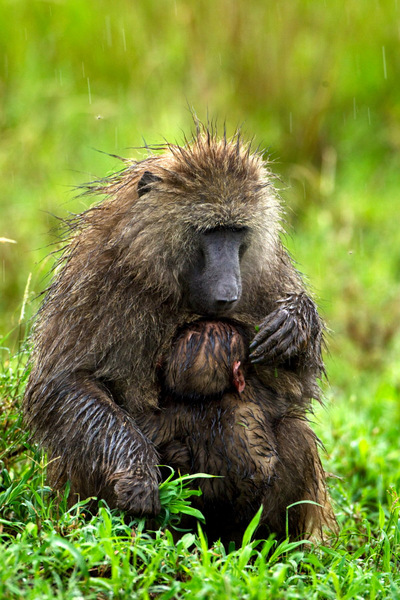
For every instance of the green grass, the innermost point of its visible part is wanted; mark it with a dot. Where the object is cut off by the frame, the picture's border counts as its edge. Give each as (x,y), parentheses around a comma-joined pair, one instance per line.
(317,84)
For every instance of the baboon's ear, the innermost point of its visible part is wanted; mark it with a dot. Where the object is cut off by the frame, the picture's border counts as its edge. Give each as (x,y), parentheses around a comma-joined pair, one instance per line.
(145,182)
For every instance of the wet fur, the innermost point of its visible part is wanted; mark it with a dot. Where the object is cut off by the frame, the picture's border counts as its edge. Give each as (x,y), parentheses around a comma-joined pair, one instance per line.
(95,399)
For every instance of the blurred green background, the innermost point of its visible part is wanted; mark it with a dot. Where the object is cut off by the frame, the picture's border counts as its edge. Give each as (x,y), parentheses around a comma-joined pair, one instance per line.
(316,83)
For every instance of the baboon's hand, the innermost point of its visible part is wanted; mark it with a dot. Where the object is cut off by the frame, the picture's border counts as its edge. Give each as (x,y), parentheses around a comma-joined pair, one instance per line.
(287,331)
(137,491)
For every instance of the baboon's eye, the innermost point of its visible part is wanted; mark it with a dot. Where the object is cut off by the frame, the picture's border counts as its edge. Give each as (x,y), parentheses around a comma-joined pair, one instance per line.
(201,259)
(242,249)
(145,183)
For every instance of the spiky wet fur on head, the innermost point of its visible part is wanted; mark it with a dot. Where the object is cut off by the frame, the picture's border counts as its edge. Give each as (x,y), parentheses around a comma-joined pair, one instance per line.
(205,184)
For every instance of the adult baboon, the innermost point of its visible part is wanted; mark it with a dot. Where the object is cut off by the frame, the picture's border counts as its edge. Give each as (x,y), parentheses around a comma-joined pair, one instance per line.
(188,236)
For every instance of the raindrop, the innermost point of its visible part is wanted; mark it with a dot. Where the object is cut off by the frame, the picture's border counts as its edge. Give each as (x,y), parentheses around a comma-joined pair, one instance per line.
(83,70)
(369,116)
(328,171)
(290,122)
(384,62)
(354,109)
(124,39)
(89,92)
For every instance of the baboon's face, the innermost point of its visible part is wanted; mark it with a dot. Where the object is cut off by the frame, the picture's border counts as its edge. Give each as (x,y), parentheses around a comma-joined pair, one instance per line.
(213,281)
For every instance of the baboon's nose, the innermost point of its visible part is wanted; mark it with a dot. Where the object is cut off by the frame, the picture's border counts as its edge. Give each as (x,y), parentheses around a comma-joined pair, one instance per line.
(227,293)
(225,303)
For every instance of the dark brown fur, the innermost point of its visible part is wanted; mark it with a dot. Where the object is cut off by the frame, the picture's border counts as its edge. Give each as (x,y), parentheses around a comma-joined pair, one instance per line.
(95,399)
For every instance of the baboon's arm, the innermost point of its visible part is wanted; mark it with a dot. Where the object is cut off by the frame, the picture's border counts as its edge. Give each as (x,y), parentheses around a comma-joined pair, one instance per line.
(293,329)
(95,444)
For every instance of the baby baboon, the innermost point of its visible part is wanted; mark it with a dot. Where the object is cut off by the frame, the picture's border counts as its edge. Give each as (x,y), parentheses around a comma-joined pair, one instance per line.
(185,246)
(205,360)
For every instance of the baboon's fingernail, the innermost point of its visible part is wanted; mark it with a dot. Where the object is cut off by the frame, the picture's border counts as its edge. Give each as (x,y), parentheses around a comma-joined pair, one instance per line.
(255,360)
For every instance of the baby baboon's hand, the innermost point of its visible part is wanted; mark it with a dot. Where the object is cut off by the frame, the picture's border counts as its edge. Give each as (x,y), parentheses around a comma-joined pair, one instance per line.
(137,491)
(287,331)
